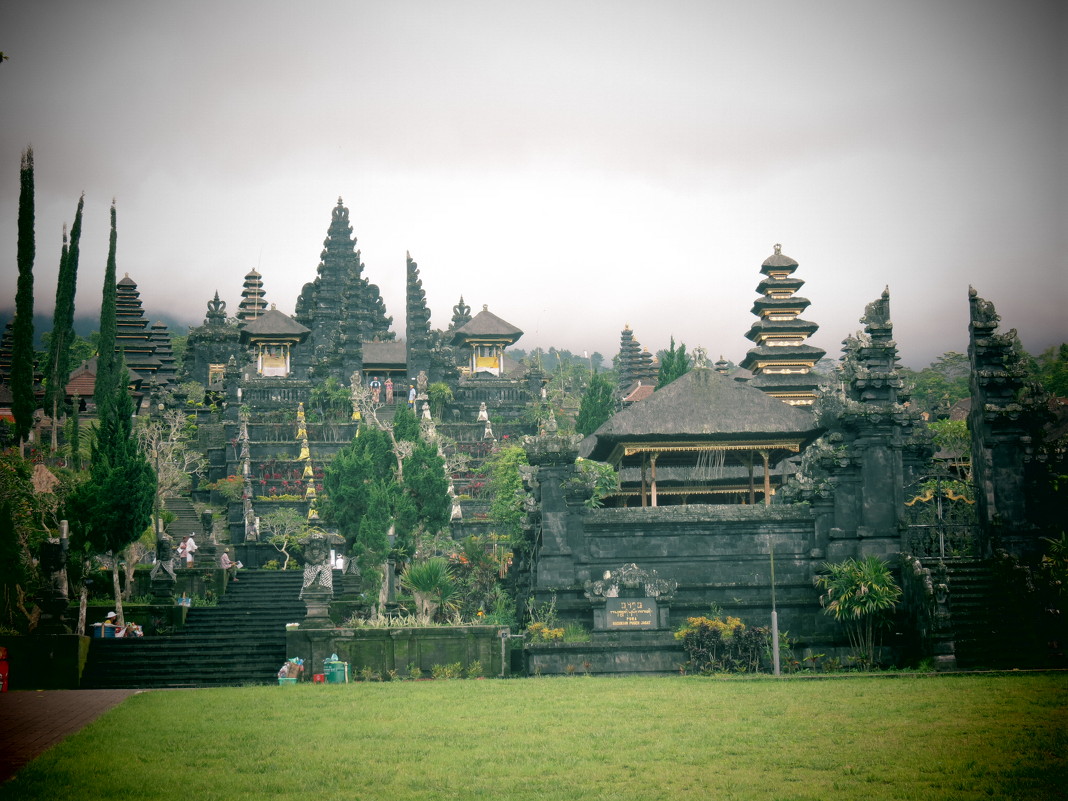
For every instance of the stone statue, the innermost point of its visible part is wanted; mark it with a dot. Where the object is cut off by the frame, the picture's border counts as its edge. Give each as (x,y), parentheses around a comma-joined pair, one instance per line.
(165,555)
(421,382)
(317,567)
(877,313)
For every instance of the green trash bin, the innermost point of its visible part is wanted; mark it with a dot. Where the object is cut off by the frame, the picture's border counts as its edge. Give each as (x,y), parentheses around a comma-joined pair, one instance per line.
(336,672)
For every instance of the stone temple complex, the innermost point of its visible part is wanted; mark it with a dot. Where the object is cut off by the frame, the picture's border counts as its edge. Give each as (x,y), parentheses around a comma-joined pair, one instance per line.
(736,484)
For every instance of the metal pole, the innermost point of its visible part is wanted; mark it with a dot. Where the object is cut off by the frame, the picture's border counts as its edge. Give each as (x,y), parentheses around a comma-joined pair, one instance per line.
(774,613)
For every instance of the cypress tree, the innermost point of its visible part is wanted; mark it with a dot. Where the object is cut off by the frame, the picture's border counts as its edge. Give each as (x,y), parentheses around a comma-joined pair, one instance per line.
(674,363)
(106,367)
(22,329)
(63,322)
(597,405)
(114,507)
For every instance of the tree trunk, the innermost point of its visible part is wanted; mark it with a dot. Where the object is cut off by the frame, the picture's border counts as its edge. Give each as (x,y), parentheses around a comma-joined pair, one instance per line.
(118,590)
(83,598)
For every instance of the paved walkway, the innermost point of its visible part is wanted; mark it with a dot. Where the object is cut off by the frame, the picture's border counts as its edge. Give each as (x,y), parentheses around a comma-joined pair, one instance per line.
(31,721)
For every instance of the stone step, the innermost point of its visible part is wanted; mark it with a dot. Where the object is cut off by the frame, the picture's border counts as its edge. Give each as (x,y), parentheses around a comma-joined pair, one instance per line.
(239,641)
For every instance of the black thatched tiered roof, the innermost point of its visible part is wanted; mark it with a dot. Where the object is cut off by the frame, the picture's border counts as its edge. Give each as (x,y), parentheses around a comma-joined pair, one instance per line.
(486,326)
(274,324)
(703,406)
(706,434)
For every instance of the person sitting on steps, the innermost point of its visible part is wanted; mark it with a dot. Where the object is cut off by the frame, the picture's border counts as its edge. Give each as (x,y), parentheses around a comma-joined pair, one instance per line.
(229,566)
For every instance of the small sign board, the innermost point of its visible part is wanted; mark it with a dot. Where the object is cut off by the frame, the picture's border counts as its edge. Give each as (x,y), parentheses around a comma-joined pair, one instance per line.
(630,613)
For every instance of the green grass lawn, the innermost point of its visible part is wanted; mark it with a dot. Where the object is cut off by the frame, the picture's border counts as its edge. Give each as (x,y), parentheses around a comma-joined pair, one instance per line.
(946,737)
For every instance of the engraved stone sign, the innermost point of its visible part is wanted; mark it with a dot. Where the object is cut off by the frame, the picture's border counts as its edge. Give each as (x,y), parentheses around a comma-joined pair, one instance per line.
(631,613)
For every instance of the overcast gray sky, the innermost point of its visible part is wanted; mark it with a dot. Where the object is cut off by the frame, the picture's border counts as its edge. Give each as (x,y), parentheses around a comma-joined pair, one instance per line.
(577,166)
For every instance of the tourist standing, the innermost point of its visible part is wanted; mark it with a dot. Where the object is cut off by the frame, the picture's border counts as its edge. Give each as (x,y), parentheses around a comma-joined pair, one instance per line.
(190,549)
(376,389)
(389,391)
(411,397)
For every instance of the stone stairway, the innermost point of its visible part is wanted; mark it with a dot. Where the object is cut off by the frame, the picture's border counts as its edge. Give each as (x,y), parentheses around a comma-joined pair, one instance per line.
(186,520)
(986,632)
(240,641)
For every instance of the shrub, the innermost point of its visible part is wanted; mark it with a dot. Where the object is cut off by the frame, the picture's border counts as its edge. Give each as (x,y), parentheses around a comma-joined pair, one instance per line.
(715,645)
(231,488)
(540,632)
(453,670)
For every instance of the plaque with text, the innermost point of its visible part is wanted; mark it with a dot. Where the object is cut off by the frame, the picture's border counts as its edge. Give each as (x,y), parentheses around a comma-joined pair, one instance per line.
(631,613)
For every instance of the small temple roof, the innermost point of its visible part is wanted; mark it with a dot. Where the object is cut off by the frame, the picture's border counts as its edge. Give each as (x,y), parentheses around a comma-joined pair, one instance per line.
(702,406)
(385,353)
(273,323)
(486,324)
(778,259)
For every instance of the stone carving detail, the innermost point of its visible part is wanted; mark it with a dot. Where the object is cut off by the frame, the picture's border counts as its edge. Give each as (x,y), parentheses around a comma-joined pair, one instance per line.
(631,577)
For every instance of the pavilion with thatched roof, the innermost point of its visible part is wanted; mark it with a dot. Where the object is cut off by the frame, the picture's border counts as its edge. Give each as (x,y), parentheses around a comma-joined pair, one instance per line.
(704,438)
(273,336)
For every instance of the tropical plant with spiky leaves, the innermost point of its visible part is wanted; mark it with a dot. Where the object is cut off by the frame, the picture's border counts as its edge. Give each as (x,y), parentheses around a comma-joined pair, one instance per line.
(861,594)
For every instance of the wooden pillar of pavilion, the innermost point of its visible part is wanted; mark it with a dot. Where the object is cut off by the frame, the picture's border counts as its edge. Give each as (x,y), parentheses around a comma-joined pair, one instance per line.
(645,499)
(652,482)
(767,479)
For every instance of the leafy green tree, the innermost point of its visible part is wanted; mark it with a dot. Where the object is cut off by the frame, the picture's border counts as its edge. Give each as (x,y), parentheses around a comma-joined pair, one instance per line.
(113,507)
(953,439)
(22,328)
(381,483)
(1052,365)
(425,489)
(597,405)
(862,595)
(506,489)
(440,395)
(331,399)
(944,382)
(284,527)
(19,536)
(58,364)
(433,586)
(405,425)
(674,363)
(81,348)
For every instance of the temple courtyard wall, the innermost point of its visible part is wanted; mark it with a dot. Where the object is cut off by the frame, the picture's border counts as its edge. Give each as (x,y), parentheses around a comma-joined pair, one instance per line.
(720,557)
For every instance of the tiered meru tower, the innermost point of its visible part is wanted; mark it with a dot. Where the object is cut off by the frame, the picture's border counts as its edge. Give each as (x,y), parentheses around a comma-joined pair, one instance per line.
(417,322)
(341,307)
(132,337)
(782,362)
(253,298)
(635,363)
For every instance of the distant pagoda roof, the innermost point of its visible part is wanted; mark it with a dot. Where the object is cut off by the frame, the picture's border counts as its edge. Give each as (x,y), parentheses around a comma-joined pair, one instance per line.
(486,325)
(777,260)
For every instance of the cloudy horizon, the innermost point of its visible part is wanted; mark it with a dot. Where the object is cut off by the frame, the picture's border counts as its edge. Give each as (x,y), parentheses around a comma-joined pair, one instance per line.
(575,167)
